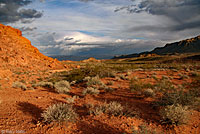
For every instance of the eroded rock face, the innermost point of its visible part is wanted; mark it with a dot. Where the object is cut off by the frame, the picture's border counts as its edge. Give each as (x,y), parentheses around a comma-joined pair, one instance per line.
(17,51)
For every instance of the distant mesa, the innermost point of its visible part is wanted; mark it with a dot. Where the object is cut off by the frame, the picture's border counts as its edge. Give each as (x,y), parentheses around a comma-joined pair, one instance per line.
(185,46)
(91,59)
(17,51)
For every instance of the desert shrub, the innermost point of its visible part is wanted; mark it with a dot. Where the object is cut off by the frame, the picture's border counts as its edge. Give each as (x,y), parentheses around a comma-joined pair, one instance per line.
(94,81)
(117,78)
(45,84)
(72,100)
(73,83)
(90,90)
(179,97)
(79,74)
(195,74)
(154,77)
(59,112)
(164,85)
(108,89)
(174,114)
(164,77)
(112,108)
(148,92)
(123,77)
(62,87)
(183,76)
(97,109)
(19,85)
(110,83)
(137,85)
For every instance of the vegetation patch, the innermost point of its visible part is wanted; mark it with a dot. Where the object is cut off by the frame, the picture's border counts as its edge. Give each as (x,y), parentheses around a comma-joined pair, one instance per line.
(112,108)
(44,84)
(90,90)
(19,85)
(62,87)
(174,114)
(59,113)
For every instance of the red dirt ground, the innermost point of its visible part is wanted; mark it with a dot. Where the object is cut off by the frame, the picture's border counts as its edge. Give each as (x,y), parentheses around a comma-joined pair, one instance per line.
(21,110)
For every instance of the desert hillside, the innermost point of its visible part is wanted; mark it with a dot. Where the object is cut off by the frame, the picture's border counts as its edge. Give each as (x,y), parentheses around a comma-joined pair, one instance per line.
(185,46)
(191,45)
(17,51)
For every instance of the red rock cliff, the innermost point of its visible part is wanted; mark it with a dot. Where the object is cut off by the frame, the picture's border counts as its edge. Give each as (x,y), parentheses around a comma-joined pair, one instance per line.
(16,50)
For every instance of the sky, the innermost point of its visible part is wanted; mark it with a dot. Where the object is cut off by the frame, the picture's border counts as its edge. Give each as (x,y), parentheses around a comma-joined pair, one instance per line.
(101,27)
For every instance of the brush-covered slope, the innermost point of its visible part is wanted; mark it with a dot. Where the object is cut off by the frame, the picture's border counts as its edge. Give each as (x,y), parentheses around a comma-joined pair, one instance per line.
(17,51)
(186,46)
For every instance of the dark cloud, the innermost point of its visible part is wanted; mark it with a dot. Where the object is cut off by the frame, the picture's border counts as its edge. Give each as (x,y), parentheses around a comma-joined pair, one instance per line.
(184,13)
(48,44)
(12,11)
(68,38)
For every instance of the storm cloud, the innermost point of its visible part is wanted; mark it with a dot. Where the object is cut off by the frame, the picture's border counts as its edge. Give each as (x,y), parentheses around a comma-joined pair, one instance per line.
(12,11)
(184,13)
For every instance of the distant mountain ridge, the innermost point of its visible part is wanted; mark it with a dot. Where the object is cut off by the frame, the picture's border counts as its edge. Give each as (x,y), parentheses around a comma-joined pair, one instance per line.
(191,45)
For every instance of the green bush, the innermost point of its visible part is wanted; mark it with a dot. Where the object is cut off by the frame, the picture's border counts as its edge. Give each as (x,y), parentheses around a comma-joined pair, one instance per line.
(62,87)
(59,112)
(19,85)
(174,114)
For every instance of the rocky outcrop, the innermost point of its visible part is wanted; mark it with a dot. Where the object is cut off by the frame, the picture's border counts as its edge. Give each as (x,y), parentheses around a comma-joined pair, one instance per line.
(17,51)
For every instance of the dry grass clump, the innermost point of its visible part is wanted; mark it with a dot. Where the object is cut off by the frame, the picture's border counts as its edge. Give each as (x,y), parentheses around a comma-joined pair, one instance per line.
(90,90)
(164,85)
(112,108)
(137,85)
(148,92)
(93,81)
(60,113)
(184,98)
(45,84)
(19,85)
(62,87)
(174,114)
(72,100)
